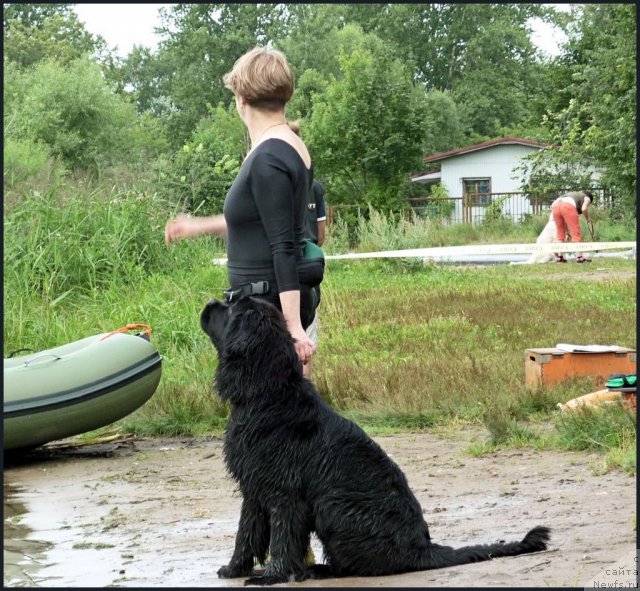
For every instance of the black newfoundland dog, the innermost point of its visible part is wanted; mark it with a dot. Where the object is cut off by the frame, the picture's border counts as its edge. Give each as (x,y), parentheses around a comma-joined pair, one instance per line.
(303,468)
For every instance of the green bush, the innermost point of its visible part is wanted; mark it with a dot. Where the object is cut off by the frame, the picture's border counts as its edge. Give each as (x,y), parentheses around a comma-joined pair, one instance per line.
(440,206)
(493,213)
(73,111)
(202,171)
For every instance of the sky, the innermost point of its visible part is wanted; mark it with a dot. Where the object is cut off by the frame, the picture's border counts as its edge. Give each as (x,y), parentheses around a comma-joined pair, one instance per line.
(126,25)
(122,25)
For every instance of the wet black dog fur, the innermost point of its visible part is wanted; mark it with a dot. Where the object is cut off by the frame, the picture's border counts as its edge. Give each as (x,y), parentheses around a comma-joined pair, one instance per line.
(302,468)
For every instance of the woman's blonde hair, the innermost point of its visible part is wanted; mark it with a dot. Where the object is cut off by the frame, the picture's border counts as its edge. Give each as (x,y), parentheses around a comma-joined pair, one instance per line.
(262,77)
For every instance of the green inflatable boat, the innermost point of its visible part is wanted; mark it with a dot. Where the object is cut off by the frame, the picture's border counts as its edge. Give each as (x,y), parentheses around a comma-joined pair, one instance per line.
(77,387)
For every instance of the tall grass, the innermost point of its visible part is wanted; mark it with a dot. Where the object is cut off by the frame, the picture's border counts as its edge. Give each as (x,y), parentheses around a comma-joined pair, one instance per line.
(55,243)
(402,345)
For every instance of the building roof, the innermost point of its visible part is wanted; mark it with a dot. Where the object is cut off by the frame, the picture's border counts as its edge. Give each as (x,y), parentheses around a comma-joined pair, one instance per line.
(433,174)
(483,145)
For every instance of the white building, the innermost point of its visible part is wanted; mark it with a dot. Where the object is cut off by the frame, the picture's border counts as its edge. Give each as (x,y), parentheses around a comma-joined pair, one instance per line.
(480,174)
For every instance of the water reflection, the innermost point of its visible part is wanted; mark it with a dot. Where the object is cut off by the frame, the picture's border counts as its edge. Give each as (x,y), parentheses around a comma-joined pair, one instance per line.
(22,557)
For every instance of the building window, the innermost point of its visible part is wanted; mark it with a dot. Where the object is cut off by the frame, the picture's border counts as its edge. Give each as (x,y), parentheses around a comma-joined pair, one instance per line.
(479,190)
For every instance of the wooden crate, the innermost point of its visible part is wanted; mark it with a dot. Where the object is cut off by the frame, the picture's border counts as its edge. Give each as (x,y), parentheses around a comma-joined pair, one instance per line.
(545,367)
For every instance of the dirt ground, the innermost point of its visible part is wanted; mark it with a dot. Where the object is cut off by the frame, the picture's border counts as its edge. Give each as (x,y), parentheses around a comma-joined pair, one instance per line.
(163,513)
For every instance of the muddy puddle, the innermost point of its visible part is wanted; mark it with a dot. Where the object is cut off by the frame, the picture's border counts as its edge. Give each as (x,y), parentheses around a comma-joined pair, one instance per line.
(23,557)
(163,513)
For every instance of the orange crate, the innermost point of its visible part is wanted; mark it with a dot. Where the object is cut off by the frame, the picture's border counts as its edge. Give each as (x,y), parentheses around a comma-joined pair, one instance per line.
(546,367)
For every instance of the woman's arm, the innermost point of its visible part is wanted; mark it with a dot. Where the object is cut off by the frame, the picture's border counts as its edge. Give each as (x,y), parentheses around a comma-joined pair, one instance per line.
(273,192)
(185,226)
(290,303)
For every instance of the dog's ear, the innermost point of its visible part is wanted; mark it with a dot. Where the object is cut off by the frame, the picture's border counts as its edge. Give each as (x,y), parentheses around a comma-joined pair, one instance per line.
(213,321)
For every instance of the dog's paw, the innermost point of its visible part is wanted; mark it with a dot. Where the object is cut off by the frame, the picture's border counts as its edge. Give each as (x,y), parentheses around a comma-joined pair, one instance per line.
(233,571)
(316,571)
(268,580)
(303,575)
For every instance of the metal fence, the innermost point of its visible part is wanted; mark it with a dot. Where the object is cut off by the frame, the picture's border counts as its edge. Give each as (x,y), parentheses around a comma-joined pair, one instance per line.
(475,208)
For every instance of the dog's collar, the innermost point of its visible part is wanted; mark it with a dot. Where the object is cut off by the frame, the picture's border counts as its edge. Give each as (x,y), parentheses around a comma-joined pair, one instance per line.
(249,289)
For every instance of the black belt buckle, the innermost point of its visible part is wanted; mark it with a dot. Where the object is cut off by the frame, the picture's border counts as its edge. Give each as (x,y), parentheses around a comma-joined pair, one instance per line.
(255,288)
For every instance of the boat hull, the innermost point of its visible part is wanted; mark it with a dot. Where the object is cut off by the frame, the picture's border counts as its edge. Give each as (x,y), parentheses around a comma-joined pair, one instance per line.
(76,387)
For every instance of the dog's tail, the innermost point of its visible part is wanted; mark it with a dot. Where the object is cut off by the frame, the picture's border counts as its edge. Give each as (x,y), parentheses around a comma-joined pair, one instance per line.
(442,556)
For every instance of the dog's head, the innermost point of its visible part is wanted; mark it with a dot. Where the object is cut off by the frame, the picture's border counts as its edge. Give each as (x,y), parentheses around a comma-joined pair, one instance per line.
(254,345)
(213,320)
(243,326)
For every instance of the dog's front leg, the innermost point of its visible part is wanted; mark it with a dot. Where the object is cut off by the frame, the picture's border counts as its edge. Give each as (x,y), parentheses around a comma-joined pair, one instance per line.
(290,533)
(252,541)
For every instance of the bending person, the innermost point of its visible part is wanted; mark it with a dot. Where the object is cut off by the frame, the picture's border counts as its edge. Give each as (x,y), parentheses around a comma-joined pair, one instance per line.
(566,211)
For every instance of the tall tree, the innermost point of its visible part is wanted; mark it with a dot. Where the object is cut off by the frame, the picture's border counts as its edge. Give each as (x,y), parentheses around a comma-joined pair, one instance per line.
(34,32)
(308,37)
(481,53)
(32,15)
(146,76)
(605,84)
(321,63)
(365,131)
(433,39)
(495,79)
(592,119)
(202,41)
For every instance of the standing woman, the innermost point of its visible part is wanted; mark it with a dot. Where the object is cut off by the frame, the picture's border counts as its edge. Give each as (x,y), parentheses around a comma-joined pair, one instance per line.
(566,210)
(264,211)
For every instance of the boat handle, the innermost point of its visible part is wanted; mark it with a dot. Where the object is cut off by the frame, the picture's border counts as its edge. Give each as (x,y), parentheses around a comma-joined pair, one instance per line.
(26,363)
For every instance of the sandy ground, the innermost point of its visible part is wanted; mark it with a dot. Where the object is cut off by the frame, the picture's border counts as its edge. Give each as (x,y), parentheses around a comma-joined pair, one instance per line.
(163,513)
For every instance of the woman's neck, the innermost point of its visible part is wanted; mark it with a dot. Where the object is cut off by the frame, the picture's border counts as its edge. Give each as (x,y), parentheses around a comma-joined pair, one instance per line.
(260,122)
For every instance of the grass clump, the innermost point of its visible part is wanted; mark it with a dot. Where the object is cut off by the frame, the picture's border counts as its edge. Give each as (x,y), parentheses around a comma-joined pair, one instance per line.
(92,546)
(504,428)
(610,429)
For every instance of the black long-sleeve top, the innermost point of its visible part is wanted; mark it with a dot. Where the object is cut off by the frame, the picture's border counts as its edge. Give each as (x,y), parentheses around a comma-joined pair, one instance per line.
(265,212)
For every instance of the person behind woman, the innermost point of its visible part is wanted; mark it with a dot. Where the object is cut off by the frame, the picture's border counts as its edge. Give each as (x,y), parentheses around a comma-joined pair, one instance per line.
(566,211)
(264,211)
(315,231)
(316,223)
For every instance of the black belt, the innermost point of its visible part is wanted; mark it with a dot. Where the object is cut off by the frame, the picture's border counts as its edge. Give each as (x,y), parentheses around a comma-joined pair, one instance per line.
(249,289)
